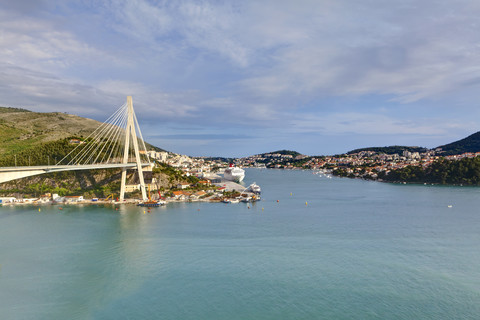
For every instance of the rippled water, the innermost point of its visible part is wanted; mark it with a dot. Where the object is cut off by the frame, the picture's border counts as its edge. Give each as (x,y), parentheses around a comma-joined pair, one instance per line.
(328,249)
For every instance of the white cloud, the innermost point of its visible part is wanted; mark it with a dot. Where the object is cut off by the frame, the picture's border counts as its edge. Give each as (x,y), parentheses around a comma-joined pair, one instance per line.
(354,123)
(140,19)
(39,45)
(309,48)
(179,26)
(247,64)
(406,49)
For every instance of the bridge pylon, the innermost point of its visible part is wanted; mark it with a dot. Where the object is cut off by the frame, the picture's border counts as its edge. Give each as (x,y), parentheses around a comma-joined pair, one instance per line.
(131,137)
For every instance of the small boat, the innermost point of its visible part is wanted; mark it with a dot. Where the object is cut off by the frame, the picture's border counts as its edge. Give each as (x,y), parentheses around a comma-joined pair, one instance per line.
(231,200)
(150,203)
(246,199)
(254,188)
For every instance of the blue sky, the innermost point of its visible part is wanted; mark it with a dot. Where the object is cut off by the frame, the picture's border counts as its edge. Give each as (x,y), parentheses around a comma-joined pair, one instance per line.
(236,78)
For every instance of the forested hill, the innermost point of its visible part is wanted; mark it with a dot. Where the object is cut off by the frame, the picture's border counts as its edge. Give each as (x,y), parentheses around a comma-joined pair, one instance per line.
(457,172)
(283,152)
(468,144)
(390,149)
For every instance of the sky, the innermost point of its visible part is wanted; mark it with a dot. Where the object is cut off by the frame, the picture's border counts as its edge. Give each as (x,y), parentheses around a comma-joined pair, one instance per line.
(238,78)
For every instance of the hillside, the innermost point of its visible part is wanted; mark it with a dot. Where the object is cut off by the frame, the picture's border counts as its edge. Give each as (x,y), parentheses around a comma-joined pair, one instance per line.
(280,152)
(468,144)
(455,172)
(22,129)
(33,138)
(390,149)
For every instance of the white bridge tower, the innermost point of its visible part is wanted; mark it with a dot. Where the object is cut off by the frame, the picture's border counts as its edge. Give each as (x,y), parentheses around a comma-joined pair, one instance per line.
(131,136)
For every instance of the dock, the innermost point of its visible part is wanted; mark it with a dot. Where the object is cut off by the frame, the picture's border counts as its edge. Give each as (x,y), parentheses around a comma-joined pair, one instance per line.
(230,185)
(221,182)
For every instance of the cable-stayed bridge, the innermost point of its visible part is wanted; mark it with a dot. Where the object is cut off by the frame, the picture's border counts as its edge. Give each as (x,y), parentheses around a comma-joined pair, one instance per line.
(116,143)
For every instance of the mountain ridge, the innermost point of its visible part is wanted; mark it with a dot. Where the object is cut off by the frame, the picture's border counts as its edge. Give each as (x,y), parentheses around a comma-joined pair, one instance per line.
(470,143)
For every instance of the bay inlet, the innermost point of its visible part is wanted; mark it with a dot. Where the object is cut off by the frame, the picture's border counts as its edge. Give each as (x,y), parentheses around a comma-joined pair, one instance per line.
(313,248)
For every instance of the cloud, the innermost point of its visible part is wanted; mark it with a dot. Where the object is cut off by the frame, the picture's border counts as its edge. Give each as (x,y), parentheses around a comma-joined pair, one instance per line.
(413,51)
(210,136)
(354,123)
(45,92)
(24,6)
(38,44)
(309,49)
(180,26)
(269,67)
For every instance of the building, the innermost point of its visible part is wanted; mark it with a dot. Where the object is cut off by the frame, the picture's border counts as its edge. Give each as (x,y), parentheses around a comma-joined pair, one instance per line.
(73,198)
(160,156)
(132,187)
(5,200)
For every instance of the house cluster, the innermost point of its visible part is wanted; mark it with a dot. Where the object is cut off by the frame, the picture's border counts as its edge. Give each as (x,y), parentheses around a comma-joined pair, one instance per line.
(363,163)
(271,160)
(43,199)
(160,156)
(370,163)
(190,166)
(187,192)
(463,155)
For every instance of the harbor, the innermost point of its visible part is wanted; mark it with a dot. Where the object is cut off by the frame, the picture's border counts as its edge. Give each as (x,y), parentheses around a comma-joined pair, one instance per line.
(216,256)
(219,190)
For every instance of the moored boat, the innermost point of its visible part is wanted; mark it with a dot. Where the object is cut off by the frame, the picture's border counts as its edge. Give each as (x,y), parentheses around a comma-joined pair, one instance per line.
(254,188)
(233,173)
(151,203)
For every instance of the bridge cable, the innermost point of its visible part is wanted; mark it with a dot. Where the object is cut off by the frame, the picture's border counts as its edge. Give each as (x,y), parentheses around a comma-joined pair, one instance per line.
(94,134)
(85,156)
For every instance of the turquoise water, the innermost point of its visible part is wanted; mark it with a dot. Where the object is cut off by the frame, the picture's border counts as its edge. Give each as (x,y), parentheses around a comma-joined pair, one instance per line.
(328,249)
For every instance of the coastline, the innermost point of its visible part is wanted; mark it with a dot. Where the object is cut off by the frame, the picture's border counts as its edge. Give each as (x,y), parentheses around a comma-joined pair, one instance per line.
(114,203)
(228,191)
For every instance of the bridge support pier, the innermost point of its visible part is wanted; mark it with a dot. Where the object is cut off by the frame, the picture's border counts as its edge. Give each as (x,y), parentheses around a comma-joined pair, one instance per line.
(130,132)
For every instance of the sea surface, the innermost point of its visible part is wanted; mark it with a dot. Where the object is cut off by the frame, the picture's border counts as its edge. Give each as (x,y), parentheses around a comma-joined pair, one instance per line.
(313,248)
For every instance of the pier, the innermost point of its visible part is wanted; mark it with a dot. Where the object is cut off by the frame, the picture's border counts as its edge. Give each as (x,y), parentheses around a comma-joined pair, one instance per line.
(230,185)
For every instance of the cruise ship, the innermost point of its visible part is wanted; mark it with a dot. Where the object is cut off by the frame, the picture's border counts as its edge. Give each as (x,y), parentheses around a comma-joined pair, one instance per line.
(234,174)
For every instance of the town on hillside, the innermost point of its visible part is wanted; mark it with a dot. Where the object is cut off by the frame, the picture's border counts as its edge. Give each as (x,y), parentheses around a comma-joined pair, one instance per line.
(366,164)
(362,164)
(175,177)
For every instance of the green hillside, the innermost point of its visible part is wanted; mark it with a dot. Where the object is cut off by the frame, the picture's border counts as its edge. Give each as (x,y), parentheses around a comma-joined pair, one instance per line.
(457,172)
(21,129)
(390,149)
(285,152)
(32,138)
(468,144)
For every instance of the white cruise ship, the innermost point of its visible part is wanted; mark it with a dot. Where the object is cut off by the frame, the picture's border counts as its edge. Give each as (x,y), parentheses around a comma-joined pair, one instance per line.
(234,174)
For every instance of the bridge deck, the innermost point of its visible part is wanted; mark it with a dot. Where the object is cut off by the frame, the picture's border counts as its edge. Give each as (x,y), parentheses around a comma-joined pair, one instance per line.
(71,167)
